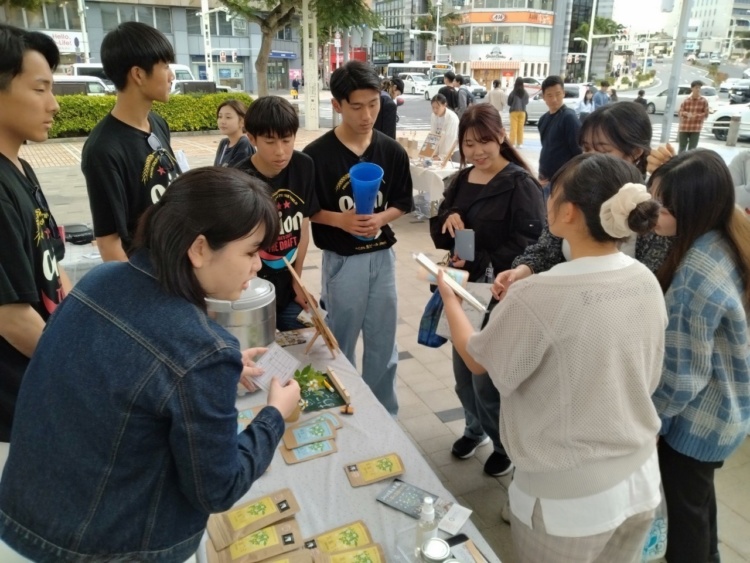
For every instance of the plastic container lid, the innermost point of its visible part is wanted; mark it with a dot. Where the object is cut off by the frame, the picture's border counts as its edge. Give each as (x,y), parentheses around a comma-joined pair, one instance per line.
(258,294)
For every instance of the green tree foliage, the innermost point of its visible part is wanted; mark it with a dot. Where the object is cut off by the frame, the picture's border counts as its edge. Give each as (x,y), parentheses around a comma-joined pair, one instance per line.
(273,15)
(28,4)
(449,21)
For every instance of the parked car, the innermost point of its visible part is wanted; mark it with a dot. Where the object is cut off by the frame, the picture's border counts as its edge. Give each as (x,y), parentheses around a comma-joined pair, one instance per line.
(714,60)
(63,85)
(727,84)
(414,82)
(536,107)
(659,103)
(718,123)
(739,93)
(477,89)
(433,87)
(532,85)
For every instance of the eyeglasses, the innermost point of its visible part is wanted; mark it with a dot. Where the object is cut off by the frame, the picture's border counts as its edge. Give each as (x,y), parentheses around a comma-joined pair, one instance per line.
(165,159)
(41,201)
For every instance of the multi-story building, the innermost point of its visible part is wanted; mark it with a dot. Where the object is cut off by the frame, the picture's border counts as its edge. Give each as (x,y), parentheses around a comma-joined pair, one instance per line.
(579,12)
(181,23)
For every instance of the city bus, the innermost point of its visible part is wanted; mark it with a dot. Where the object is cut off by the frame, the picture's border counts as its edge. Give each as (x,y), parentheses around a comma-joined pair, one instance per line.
(429,68)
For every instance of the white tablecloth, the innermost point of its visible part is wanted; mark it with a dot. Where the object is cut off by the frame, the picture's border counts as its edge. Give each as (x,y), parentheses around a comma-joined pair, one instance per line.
(326,498)
(430,180)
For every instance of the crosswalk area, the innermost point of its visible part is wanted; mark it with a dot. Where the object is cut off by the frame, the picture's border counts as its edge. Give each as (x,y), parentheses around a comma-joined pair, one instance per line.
(657,129)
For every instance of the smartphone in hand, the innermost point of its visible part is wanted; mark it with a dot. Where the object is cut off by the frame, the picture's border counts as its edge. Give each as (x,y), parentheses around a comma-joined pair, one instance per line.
(464,246)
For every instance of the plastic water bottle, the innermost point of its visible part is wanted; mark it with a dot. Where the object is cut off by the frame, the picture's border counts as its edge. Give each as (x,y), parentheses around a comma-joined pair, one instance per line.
(489,274)
(427,526)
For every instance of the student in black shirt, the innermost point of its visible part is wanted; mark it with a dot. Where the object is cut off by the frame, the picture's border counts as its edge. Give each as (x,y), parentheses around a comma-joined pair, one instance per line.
(127,160)
(449,90)
(558,130)
(272,123)
(359,285)
(235,147)
(32,282)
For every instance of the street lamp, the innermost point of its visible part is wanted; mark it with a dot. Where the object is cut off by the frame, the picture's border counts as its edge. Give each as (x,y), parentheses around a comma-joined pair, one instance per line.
(590,41)
(437,30)
(587,64)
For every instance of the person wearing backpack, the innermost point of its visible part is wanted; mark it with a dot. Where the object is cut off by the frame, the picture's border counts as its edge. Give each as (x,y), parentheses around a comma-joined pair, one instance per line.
(465,97)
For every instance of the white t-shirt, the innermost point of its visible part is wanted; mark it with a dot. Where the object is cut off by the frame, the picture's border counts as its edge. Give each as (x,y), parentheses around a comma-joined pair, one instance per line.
(601,512)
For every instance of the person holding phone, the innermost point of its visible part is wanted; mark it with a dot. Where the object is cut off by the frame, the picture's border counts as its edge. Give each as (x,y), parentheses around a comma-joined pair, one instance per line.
(499,199)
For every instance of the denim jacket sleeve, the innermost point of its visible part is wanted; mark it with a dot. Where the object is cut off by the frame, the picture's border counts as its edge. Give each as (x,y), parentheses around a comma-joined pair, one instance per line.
(546,253)
(216,466)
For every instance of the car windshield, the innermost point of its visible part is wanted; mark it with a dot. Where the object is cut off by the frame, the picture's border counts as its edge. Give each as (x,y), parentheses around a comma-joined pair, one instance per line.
(708,91)
(419,78)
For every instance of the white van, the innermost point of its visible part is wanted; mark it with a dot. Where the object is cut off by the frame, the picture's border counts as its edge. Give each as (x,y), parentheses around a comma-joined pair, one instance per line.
(62,84)
(181,72)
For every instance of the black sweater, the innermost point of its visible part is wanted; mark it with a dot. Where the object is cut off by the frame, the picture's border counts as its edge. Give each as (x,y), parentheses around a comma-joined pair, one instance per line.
(559,135)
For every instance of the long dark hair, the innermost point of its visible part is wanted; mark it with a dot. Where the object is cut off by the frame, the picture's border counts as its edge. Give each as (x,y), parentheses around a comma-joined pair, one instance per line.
(485,121)
(518,88)
(222,204)
(626,125)
(697,189)
(588,180)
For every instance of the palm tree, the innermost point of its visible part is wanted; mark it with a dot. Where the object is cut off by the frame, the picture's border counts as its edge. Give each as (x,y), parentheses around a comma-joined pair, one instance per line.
(449,21)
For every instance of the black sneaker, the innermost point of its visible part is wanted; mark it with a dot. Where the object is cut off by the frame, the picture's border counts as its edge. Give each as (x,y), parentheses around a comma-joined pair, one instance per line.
(465,447)
(497,465)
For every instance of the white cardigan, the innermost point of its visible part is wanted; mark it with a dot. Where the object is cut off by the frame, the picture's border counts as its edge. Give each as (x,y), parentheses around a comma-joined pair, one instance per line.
(449,131)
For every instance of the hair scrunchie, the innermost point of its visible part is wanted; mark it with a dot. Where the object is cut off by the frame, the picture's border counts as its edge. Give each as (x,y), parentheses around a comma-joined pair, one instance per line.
(615,211)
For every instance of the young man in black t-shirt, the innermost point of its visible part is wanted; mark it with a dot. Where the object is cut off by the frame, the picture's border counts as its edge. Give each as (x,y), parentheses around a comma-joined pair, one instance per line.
(127,160)
(449,90)
(32,283)
(359,283)
(271,124)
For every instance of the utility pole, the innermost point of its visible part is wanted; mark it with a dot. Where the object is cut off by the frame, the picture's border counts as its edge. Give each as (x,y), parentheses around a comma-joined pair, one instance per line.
(310,65)
(590,43)
(437,30)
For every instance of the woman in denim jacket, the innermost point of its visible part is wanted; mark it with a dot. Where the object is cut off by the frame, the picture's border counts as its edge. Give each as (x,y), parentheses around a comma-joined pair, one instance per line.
(622,130)
(125,437)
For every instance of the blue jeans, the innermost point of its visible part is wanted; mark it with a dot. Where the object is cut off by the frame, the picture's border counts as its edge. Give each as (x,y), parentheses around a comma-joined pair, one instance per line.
(287,319)
(359,293)
(481,402)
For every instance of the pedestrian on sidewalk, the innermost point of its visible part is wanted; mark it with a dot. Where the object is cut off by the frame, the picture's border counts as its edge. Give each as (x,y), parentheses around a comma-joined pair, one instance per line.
(388,114)
(586,105)
(449,90)
(127,160)
(272,125)
(497,97)
(235,148)
(703,398)
(558,130)
(518,99)
(601,98)
(358,272)
(575,363)
(499,199)
(32,280)
(641,99)
(693,112)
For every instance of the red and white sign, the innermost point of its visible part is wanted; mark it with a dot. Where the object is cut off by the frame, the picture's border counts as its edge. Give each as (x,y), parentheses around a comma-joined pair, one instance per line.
(66,41)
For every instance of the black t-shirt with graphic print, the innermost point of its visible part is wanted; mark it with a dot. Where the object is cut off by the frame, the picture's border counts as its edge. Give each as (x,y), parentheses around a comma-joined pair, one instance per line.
(332,163)
(294,194)
(29,254)
(124,174)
